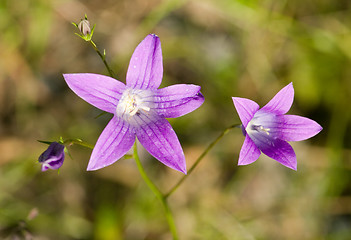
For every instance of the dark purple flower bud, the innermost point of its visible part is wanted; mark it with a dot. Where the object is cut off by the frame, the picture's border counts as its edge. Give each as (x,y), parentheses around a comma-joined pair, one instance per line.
(53,157)
(84,27)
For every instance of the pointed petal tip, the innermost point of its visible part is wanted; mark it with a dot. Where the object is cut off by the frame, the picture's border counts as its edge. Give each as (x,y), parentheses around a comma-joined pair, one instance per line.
(297,128)
(292,164)
(200,95)
(200,98)
(145,69)
(93,167)
(179,99)
(240,163)
(290,88)
(66,76)
(180,166)
(293,167)
(235,99)
(282,101)
(246,109)
(153,35)
(69,75)
(183,171)
(319,127)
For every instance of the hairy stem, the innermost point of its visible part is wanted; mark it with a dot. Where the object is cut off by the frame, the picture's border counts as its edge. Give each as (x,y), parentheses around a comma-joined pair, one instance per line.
(198,160)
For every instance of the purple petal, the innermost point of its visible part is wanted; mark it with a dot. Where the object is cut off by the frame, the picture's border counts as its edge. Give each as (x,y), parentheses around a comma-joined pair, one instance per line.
(160,140)
(114,142)
(100,91)
(296,128)
(178,100)
(249,152)
(275,148)
(44,167)
(145,69)
(246,109)
(54,151)
(53,157)
(52,164)
(282,101)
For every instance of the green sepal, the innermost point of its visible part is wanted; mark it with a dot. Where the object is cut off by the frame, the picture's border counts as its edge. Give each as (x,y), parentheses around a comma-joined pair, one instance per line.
(68,153)
(45,142)
(92,31)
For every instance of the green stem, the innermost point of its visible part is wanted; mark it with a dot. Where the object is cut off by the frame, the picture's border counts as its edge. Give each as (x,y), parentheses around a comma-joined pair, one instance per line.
(157,193)
(103,58)
(199,159)
(78,142)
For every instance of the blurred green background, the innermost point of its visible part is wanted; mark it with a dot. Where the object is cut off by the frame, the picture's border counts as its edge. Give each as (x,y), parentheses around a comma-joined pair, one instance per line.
(244,48)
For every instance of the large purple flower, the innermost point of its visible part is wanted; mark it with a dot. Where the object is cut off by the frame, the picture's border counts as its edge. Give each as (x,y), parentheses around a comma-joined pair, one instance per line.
(139,108)
(268,129)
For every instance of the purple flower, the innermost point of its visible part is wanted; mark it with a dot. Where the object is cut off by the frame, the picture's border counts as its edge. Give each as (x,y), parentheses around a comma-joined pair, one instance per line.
(139,108)
(53,157)
(267,129)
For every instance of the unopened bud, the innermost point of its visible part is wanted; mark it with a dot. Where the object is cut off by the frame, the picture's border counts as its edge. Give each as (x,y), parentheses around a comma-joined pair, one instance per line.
(53,157)
(84,27)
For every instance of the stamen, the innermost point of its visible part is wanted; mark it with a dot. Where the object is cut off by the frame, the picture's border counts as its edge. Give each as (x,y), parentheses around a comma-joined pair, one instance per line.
(259,128)
(133,102)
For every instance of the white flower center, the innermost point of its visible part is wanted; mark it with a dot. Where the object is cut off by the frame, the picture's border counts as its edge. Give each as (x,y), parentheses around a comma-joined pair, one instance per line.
(135,102)
(260,123)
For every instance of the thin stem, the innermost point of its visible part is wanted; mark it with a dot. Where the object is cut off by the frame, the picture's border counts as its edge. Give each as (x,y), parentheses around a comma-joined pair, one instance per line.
(103,58)
(78,142)
(198,160)
(158,194)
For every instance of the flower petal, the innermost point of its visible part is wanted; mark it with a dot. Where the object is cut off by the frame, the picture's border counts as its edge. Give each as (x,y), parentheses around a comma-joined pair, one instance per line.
(52,164)
(145,67)
(178,100)
(296,128)
(275,148)
(282,101)
(54,152)
(100,91)
(160,140)
(249,152)
(53,157)
(114,142)
(246,109)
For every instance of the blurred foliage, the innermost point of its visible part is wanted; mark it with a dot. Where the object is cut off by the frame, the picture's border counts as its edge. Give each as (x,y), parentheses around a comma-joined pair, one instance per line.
(245,48)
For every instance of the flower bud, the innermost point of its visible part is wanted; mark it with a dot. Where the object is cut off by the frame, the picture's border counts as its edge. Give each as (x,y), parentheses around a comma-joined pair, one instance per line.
(84,27)
(53,157)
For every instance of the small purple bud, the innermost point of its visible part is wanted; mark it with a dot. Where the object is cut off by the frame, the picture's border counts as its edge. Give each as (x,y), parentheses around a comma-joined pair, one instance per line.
(53,157)
(84,27)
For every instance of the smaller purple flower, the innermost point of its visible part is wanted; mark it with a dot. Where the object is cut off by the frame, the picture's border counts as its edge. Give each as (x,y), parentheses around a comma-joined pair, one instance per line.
(53,157)
(268,129)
